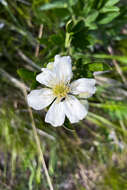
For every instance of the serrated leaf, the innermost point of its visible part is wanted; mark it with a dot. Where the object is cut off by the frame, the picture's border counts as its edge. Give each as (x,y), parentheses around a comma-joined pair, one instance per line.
(54,5)
(108,18)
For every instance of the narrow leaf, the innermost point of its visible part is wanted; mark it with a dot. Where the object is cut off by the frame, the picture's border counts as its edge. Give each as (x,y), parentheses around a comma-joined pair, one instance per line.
(54,5)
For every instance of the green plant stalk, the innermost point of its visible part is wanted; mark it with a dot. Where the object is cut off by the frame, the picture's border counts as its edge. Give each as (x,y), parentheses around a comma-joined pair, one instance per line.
(38,143)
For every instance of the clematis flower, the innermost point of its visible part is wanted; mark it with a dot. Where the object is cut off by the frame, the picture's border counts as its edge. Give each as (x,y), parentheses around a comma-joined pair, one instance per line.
(60,93)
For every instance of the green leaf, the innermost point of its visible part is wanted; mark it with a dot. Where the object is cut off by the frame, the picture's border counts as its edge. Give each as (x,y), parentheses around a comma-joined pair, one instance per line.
(88,6)
(93,26)
(26,75)
(81,39)
(34,84)
(72,2)
(115,109)
(109,9)
(54,5)
(91,17)
(77,34)
(97,67)
(79,26)
(111,2)
(122,59)
(53,159)
(101,121)
(100,4)
(108,18)
(57,39)
(90,68)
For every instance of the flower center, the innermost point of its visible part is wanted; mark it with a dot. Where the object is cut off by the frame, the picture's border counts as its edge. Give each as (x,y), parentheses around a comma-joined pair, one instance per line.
(61,90)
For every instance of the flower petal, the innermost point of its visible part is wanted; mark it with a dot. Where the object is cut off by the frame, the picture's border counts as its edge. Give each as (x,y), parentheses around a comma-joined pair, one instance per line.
(39,99)
(55,115)
(50,66)
(47,77)
(63,68)
(74,110)
(83,87)
(85,103)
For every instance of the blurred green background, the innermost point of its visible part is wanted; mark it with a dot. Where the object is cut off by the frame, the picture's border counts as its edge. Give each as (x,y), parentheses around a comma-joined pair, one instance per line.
(90,155)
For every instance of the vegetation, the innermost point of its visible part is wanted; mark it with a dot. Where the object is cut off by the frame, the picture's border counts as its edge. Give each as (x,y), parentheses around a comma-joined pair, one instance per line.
(91,154)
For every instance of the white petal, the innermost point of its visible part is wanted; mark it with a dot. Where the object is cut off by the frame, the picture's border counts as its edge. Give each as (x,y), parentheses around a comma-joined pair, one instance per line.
(83,87)
(74,110)
(57,59)
(55,115)
(39,99)
(85,104)
(47,77)
(63,68)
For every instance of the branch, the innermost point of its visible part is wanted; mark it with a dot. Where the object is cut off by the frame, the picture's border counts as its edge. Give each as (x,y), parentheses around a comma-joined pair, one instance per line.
(13,80)
(28,60)
(118,69)
(39,36)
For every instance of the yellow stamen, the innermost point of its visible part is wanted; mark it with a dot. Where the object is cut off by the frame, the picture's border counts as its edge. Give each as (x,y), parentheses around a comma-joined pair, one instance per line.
(60,90)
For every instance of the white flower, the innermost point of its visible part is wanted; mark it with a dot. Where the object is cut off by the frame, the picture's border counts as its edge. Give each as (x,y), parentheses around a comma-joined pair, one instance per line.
(60,93)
